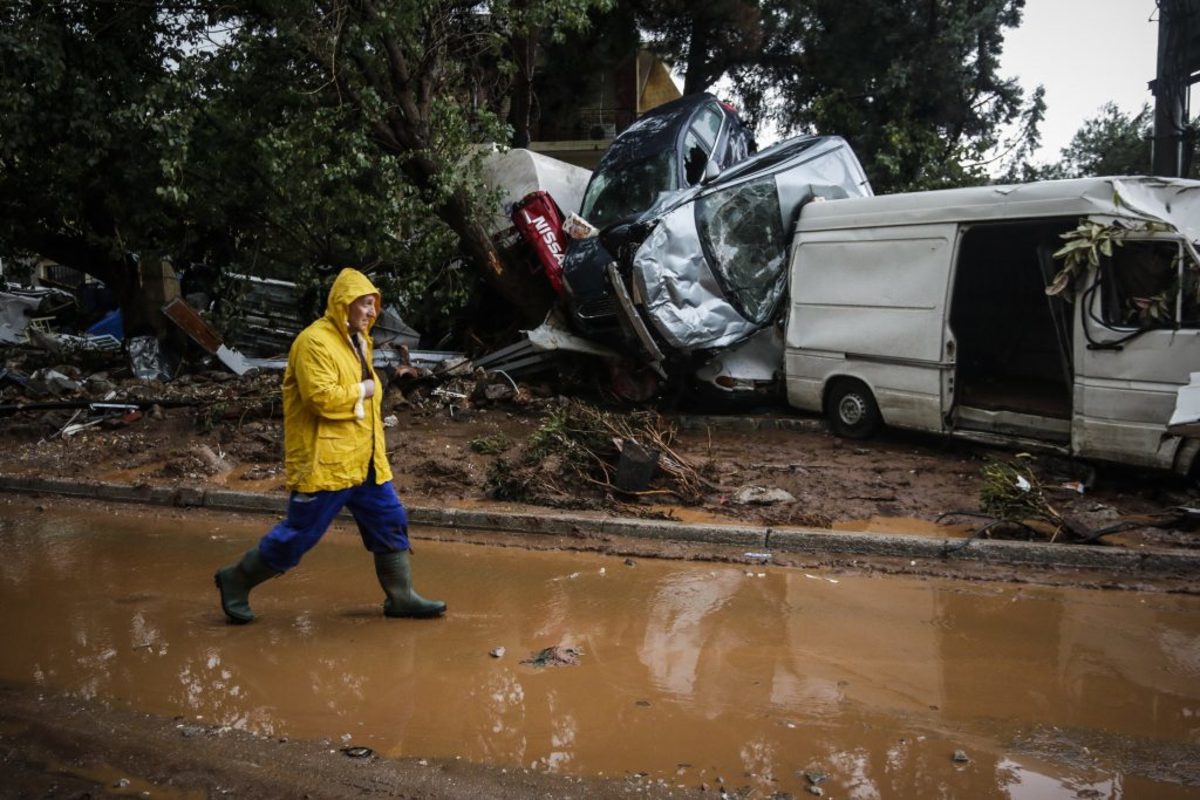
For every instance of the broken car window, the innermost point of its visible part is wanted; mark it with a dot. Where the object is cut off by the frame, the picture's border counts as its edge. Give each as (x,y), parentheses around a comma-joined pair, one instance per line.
(620,194)
(707,125)
(742,235)
(695,158)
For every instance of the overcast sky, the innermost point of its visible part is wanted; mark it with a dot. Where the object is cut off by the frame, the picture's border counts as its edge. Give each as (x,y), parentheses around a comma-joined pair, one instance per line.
(1086,53)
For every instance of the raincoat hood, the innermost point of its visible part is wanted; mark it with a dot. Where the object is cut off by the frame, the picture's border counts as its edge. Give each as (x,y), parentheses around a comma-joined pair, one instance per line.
(348,286)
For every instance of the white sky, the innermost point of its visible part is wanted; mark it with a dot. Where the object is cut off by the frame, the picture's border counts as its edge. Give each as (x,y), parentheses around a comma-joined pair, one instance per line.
(1086,53)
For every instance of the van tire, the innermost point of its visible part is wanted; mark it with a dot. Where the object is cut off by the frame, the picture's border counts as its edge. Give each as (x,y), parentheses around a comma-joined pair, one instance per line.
(851,409)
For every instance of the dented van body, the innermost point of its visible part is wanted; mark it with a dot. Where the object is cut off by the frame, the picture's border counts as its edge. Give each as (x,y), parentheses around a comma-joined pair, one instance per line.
(930,311)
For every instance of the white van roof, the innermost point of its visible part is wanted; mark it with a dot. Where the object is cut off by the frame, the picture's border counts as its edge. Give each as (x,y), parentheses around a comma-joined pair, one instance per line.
(1175,201)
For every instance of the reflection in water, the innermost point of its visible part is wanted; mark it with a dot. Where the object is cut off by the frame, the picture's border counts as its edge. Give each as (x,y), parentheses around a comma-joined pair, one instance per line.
(675,630)
(689,671)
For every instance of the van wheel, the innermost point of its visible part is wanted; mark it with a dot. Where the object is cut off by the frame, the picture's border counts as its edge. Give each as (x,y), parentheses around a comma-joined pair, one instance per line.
(852,411)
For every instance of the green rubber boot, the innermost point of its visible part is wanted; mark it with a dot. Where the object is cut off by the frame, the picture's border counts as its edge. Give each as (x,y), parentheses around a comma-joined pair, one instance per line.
(395,576)
(235,582)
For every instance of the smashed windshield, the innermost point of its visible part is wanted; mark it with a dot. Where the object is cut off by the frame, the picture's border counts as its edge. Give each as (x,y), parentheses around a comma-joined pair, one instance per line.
(628,190)
(742,236)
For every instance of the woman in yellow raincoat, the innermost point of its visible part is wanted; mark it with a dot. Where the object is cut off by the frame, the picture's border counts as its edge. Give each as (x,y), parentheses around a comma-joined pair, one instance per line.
(335,457)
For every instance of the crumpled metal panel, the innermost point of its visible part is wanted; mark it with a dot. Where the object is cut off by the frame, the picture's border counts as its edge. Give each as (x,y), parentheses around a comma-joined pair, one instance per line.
(15,311)
(1185,419)
(682,297)
(1175,202)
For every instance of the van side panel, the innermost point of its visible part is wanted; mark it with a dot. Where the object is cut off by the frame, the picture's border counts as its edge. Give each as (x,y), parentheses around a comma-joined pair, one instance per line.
(870,303)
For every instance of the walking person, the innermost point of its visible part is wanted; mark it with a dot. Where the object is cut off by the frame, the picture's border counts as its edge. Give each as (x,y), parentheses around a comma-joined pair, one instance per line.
(334,457)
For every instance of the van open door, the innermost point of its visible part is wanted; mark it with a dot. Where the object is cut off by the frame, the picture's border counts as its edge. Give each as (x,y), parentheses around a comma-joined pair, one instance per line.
(1014,349)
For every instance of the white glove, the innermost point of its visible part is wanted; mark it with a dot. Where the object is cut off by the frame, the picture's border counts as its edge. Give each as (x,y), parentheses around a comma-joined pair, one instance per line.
(368,388)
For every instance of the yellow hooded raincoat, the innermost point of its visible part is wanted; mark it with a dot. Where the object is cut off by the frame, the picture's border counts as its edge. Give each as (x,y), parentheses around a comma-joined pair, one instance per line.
(331,434)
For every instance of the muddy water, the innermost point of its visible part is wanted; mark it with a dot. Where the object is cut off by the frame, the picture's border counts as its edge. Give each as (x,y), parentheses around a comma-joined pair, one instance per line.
(695,674)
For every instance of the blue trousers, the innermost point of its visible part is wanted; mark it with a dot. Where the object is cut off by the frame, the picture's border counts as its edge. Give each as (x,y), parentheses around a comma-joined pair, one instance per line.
(381,518)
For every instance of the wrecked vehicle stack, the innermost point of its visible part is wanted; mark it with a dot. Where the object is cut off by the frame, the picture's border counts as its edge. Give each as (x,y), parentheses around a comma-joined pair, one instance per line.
(672,148)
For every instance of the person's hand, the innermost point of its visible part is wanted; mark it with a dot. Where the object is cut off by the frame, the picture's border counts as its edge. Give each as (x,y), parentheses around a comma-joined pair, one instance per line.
(368,388)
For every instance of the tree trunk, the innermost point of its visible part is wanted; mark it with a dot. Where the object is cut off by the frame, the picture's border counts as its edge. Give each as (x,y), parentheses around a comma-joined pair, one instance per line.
(524,49)
(525,288)
(528,291)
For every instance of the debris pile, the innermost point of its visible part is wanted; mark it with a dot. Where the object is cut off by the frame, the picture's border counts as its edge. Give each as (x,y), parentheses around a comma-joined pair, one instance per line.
(555,656)
(1013,501)
(582,456)
(1012,493)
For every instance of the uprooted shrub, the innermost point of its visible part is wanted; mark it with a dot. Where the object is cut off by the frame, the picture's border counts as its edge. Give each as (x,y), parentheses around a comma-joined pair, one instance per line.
(572,460)
(1012,494)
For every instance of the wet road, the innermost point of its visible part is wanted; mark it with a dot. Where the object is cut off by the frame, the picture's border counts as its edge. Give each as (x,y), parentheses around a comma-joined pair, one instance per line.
(693,673)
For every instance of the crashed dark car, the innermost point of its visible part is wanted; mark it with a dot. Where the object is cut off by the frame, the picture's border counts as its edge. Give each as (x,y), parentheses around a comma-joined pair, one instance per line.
(699,285)
(667,151)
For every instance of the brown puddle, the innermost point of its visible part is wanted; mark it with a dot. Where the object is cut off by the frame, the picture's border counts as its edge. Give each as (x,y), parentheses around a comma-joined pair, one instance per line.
(687,672)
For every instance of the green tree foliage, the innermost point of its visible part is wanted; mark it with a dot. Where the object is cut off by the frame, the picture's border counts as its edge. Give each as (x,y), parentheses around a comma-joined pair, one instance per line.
(404,72)
(705,41)
(527,27)
(287,184)
(571,66)
(271,137)
(913,85)
(83,128)
(128,134)
(1111,143)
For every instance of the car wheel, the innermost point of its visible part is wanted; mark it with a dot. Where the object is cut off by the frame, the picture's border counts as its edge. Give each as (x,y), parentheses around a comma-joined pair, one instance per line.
(852,410)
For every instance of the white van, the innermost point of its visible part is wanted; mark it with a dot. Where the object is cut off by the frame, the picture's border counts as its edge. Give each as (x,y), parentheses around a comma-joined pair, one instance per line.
(929,311)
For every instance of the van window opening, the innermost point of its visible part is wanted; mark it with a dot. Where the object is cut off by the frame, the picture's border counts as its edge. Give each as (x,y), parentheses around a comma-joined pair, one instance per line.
(1143,286)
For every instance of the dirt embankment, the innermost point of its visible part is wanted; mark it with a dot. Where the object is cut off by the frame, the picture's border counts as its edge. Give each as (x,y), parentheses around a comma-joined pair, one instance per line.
(479,442)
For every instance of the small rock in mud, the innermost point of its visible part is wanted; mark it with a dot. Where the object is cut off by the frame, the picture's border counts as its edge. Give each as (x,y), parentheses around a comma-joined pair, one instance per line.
(960,757)
(497,652)
(761,496)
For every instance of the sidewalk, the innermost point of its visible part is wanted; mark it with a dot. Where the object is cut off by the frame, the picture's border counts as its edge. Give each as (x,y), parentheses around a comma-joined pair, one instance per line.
(755,539)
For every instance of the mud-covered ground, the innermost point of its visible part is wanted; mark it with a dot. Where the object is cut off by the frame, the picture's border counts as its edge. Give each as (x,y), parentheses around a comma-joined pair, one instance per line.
(451,444)
(53,746)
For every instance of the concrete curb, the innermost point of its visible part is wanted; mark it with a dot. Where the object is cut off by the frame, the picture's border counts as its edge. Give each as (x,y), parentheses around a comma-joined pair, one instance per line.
(755,539)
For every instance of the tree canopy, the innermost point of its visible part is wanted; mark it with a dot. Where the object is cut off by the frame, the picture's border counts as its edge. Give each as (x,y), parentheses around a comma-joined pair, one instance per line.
(1111,143)
(274,137)
(283,138)
(913,85)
